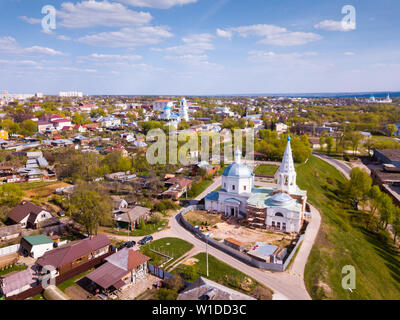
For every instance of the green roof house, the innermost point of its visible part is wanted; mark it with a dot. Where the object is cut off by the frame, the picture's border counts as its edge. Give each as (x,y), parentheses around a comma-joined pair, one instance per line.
(36,246)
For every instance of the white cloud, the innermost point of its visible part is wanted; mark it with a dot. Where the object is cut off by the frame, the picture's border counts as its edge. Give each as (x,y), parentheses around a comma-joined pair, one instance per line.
(193,60)
(128,37)
(107,58)
(332,25)
(349,53)
(224,34)
(158,4)
(64,38)
(271,34)
(44,51)
(8,45)
(291,39)
(87,14)
(287,60)
(30,20)
(194,44)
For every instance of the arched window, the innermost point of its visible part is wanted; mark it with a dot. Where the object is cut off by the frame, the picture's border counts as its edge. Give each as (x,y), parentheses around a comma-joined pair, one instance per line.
(278,214)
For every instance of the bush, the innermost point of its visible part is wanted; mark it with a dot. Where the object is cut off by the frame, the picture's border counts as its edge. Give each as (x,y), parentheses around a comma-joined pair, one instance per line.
(166,294)
(155,218)
(175,283)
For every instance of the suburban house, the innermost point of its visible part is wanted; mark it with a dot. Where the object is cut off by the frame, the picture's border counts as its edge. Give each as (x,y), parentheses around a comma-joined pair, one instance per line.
(204,289)
(177,186)
(129,218)
(234,244)
(124,267)
(28,214)
(15,283)
(10,232)
(206,167)
(36,246)
(73,255)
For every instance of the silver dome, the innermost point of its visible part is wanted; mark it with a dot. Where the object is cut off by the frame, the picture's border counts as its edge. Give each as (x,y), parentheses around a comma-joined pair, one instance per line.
(281,199)
(238,170)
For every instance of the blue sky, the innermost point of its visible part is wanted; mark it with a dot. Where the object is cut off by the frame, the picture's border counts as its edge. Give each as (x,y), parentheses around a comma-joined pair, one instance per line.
(193,47)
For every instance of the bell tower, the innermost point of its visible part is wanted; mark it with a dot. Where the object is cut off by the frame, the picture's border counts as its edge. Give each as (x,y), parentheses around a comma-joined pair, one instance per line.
(286,174)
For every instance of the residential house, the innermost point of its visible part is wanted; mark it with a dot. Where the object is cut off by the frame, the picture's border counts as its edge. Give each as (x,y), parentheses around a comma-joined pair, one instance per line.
(28,214)
(16,282)
(204,289)
(129,218)
(75,254)
(125,267)
(36,246)
(177,186)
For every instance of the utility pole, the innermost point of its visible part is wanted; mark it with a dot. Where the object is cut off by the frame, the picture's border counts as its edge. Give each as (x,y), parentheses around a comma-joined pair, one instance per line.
(207,236)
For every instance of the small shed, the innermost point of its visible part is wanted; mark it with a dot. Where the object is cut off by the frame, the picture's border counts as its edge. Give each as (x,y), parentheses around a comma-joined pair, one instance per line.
(235,244)
(36,246)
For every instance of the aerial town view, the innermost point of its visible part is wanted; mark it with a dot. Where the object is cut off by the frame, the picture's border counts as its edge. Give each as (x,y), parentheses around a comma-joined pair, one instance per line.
(194,150)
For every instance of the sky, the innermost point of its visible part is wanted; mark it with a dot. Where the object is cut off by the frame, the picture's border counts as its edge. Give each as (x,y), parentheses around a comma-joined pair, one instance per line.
(199,47)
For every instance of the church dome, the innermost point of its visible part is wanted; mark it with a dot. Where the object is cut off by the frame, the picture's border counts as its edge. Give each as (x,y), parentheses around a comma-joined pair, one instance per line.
(238,170)
(281,199)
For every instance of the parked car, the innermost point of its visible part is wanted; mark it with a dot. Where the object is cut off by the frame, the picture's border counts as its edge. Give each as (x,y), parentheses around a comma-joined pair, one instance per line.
(145,240)
(61,213)
(128,244)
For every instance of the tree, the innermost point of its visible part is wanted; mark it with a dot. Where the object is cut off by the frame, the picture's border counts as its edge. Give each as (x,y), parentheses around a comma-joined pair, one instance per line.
(375,195)
(354,139)
(10,194)
(386,209)
(329,144)
(91,207)
(396,224)
(359,185)
(27,128)
(391,128)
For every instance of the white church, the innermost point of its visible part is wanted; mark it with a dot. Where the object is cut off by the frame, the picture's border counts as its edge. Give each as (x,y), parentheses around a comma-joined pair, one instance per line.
(168,115)
(279,209)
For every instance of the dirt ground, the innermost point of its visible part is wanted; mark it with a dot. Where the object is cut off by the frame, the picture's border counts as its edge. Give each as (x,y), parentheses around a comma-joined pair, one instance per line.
(198,217)
(190,262)
(45,191)
(248,236)
(134,290)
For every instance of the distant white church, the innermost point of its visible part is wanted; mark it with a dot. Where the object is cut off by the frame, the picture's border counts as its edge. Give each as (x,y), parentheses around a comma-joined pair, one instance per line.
(374,100)
(168,115)
(281,208)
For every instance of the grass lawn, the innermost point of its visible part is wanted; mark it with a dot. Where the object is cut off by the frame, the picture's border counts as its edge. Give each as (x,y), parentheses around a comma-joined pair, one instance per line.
(226,275)
(199,218)
(266,170)
(71,282)
(197,189)
(342,241)
(173,247)
(12,269)
(150,228)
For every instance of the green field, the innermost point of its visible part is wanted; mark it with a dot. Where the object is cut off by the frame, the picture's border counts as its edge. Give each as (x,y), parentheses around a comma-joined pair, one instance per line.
(12,269)
(172,247)
(342,241)
(266,170)
(224,274)
(71,282)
